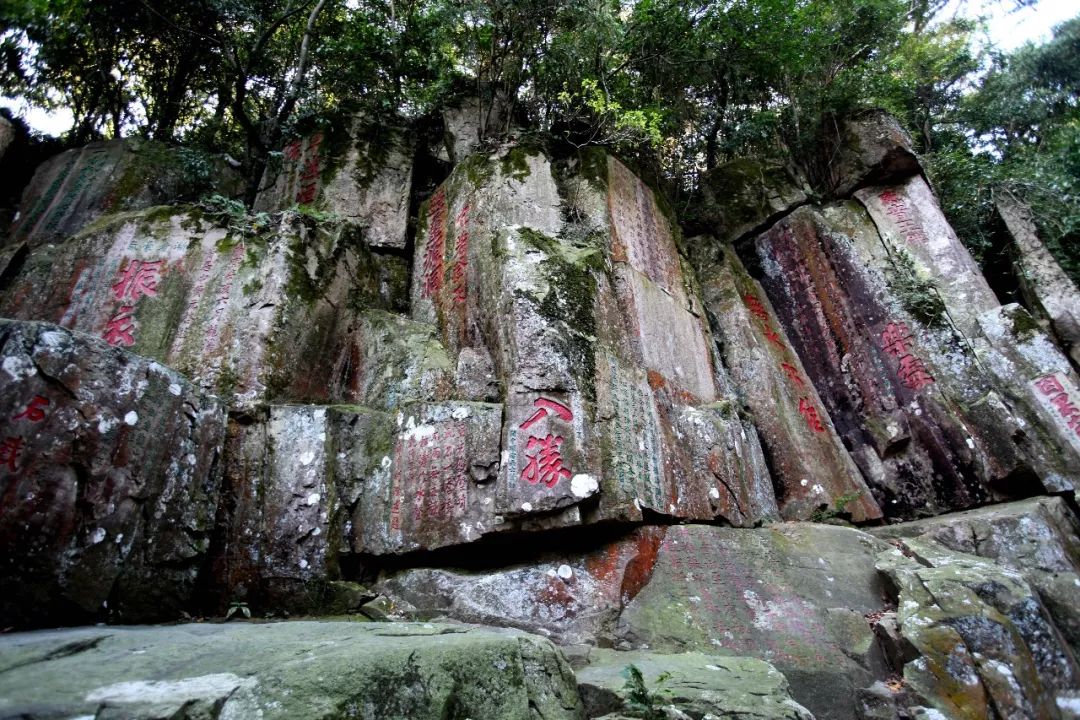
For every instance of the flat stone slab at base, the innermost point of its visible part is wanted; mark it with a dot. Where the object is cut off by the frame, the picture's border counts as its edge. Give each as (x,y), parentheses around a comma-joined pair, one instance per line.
(289,670)
(695,683)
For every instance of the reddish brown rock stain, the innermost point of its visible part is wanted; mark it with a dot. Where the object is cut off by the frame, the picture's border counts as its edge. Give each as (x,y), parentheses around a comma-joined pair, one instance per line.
(640,568)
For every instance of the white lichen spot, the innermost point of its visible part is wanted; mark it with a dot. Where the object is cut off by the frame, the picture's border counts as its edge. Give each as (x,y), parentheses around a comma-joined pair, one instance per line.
(566,572)
(313,499)
(712,667)
(971,443)
(303,564)
(307,458)
(120,538)
(714,493)
(804,482)
(175,389)
(319,414)
(583,485)
(97,536)
(817,489)
(131,418)
(19,367)
(316,532)
(460,412)
(527,507)
(168,692)
(386,462)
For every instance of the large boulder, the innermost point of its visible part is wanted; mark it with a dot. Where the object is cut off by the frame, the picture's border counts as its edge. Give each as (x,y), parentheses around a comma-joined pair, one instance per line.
(740,197)
(911,223)
(360,173)
(1039,538)
(109,473)
(311,670)
(567,281)
(572,596)
(901,373)
(1047,289)
(307,487)
(812,471)
(73,189)
(986,644)
(793,595)
(872,147)
(276,316)
(697,684)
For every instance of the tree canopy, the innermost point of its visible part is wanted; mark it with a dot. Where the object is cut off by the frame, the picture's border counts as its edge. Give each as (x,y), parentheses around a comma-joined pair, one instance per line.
(679,85)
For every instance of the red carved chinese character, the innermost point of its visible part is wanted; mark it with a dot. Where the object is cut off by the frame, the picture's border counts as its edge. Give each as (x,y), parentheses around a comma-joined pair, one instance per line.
(545,406)
(913,373)
(9,452)
(546,464)
(755,307)
(120,329)
(772,336)
(138,279)
(808,411)
(793,374)
(894,339)
(1049,385)
(889,197)
(33,411)
(292,151)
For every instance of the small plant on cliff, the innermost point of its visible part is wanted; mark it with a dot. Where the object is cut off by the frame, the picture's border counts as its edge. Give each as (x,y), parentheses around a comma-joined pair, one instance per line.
(639,700)
(825,514)
(917,293)
(234,216)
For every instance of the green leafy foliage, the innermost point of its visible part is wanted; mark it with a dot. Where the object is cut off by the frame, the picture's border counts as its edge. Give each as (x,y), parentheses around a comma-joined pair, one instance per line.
(640,701)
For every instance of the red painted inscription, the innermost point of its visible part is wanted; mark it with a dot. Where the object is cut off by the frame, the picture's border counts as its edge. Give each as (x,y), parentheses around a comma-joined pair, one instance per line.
(806,406)
(1052,388)
(896,207)
(10,450)
(34,411)
(895,340)
(436,245)
(138,279)
(545,464)
(461,255)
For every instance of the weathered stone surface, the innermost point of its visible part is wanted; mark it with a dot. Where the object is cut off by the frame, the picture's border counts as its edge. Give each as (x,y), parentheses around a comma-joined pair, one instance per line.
(573,598)
(1037,379)
(308,485)
(988,647)
(109,479)
(315,670)
(1045,286)
(570,280)
(472,121)
(7,135)
(910,221)
(930,429)
(872,148)
(765,593)
(695,683)
(740,197)
(431,485)
(276,317)
(362,174)
(71,190)
(1039,538)
(811,468)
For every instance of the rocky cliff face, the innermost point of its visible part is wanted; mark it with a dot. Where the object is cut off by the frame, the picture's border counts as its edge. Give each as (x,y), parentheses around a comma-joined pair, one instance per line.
(737,457)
